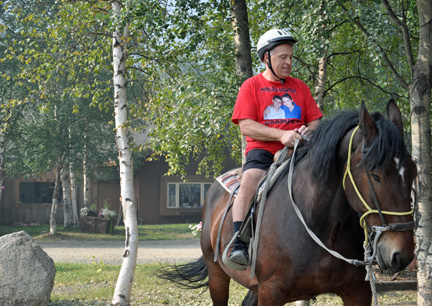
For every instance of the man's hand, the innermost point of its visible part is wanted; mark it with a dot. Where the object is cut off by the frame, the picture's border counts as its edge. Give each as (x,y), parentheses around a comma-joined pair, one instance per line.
(304,131)
(288,138)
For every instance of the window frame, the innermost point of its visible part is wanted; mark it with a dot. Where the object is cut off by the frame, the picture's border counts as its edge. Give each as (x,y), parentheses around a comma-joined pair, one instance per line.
(46,186)
(177,181)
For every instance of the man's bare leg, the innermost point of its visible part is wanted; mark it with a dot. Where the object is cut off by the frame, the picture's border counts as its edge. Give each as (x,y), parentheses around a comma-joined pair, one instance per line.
(249,184)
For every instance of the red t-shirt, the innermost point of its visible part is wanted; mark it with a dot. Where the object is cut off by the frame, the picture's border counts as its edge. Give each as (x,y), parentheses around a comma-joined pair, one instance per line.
(256,97)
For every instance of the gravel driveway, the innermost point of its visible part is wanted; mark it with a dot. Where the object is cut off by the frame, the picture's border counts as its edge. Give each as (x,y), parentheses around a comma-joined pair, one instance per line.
(111,252)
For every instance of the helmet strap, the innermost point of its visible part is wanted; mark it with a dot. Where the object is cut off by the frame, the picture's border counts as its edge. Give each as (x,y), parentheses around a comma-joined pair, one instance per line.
(271,68)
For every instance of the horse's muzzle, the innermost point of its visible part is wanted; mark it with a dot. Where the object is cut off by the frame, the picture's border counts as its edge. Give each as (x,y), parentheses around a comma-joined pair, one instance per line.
(393,259)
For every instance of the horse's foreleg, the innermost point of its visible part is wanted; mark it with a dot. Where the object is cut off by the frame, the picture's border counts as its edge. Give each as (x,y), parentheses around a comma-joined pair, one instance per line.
(269,293)
(251,299)
(358,296)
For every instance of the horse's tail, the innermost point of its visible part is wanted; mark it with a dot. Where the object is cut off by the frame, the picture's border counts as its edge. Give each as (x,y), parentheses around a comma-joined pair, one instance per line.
(191,275)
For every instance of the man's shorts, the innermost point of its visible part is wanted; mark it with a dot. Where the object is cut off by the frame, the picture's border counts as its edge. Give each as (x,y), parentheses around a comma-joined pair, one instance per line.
(258,159)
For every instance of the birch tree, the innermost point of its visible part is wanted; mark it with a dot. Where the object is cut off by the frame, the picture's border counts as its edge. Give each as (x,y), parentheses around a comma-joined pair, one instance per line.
(67,202)
(418,85)
(55,200)
(420,100)
(121,38)
(73,191)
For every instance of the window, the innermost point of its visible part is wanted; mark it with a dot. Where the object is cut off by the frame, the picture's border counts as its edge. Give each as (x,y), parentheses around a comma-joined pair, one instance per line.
(36,192)
(179,197)
(186,195)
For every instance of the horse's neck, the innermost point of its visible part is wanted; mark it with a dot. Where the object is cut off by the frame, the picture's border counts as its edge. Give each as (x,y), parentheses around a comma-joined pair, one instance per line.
(323,200)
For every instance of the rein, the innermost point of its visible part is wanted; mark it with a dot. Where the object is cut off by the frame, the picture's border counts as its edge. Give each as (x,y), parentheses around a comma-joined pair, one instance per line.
(378,230)
(355,262)
(368,259)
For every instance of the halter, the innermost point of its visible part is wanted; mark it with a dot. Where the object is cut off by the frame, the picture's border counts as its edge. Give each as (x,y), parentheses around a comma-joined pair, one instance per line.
(406,226)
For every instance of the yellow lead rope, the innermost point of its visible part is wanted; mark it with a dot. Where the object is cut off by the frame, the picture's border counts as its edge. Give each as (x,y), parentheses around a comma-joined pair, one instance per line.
(370,210)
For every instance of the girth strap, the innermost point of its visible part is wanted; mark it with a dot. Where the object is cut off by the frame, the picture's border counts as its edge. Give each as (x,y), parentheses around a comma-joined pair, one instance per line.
(229,205)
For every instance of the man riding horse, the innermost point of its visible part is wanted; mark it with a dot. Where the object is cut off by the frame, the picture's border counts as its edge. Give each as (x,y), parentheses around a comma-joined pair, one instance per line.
(266,136)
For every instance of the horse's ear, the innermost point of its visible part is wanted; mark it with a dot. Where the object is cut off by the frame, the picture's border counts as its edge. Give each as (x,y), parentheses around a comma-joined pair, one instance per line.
(367,125)
(394,115)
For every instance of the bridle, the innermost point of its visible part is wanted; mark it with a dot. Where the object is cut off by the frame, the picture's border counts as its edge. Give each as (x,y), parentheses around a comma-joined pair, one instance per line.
(375,230)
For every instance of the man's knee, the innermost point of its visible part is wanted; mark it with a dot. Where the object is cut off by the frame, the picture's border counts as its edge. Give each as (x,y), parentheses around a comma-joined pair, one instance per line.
(250,181)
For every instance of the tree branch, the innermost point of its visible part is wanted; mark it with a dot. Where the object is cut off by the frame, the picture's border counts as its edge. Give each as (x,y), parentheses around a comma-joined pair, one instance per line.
(342,53)
(404,84)
(360,78)
(405,33)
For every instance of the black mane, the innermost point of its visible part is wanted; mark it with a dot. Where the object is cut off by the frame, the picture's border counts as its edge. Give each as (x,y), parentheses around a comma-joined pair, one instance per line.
(325,143)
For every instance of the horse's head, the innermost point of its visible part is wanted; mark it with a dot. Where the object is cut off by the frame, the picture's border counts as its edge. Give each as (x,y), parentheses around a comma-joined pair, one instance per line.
(378,180)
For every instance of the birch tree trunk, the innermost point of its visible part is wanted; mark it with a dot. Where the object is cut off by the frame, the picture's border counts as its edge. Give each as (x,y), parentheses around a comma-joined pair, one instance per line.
(2,175)
(86,180)
(321,81)
(55,202)
(420,99)
(240,24)
(67,206)
(120,40)
(73,191)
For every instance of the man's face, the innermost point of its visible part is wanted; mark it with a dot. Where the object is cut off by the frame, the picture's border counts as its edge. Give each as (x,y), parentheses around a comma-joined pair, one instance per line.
(281,60)
(287,101)
(277,102)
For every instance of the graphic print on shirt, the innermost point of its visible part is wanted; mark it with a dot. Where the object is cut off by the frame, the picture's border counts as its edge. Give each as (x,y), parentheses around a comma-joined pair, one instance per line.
(274,110)
(282,108)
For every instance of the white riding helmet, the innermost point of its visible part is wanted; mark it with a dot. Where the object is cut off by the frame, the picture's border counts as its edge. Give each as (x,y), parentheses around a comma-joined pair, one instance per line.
(273,38)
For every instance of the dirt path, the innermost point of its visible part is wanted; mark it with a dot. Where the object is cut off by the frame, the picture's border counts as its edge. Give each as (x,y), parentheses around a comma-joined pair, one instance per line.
(111,252)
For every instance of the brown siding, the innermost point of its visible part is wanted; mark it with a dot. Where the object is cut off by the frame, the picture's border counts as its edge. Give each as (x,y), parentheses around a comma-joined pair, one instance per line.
(148,199)
(11,211)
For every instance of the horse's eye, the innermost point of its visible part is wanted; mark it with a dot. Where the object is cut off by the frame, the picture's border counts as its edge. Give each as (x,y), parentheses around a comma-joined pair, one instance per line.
(376,178)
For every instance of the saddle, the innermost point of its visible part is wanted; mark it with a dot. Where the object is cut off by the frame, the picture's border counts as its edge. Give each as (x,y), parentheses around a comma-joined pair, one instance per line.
(231,182)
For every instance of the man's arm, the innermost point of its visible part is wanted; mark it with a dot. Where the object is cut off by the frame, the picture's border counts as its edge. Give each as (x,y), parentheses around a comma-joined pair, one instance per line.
(258,131)
(313,124)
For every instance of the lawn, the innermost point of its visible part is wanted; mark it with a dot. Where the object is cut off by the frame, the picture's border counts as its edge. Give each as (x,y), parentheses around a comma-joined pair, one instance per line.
(93,284)
(145,232)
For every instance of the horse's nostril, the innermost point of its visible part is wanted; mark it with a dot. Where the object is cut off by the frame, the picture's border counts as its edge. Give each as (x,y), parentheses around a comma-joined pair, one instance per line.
(397,262)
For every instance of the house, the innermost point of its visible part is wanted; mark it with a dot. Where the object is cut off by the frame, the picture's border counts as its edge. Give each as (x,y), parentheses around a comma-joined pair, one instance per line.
(159,199)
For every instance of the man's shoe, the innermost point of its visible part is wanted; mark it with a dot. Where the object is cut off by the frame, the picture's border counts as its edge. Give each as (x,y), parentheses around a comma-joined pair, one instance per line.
(239,254)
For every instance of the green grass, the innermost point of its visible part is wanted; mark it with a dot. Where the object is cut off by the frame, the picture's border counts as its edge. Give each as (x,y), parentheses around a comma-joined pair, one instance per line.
(93,284)
(87,284)
(145,232)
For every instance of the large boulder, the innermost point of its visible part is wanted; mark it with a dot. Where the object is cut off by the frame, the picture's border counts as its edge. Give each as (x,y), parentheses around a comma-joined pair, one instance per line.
(26,272)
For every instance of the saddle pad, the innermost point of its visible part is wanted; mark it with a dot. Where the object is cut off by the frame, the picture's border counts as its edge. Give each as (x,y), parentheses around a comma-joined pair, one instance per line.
(230,180)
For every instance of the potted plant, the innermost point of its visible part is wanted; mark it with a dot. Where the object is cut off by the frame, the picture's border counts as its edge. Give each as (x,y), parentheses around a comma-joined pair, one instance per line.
(110,215)
(101,222)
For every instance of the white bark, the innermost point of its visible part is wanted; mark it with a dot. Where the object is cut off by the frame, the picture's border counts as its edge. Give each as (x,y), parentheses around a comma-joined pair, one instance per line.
(125,280)
(54,205)
(420,99)
(321,81)
(67,206)
(73,190)
(86,181)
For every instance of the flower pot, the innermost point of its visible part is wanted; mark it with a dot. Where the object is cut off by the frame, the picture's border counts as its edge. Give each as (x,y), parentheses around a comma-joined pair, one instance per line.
(95,225)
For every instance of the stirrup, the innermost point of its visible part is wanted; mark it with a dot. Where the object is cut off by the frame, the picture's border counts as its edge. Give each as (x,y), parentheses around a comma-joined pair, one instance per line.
(227,261)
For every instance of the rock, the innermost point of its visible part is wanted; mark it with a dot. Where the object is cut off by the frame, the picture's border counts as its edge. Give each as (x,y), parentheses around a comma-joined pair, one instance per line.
(26,272)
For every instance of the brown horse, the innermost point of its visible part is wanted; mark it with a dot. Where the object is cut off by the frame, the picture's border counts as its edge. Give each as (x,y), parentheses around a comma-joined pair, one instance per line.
(290,265)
